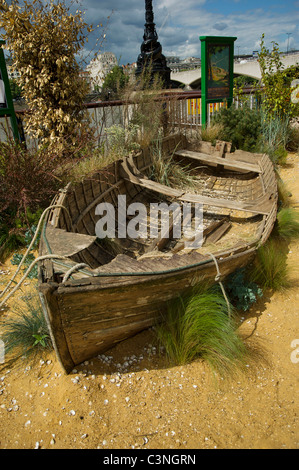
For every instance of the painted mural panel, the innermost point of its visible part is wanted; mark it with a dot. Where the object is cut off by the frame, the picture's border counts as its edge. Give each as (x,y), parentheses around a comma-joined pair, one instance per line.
(218,64)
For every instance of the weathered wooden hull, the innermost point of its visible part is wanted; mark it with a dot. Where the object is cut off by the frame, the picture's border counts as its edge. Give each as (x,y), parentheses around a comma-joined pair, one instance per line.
(90,319)
(104,302)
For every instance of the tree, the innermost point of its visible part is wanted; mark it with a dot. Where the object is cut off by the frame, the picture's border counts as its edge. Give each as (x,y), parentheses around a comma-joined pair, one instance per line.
(276,83)
(114,82)
(15,89)
(44,39)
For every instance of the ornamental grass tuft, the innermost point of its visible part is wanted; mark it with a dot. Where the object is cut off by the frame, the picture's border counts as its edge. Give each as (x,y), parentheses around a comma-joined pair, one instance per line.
(25,333)
(199,326)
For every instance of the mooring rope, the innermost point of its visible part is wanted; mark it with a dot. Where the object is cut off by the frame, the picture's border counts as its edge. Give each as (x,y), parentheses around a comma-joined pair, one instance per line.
(217,279)
(73,269)
(27,272)
(54,206)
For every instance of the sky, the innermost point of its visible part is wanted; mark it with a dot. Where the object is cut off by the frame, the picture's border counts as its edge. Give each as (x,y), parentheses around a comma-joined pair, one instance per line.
(179,23)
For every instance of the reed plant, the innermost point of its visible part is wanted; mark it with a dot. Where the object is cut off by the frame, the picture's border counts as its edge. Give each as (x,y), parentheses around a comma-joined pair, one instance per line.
(198,327)
(145,107)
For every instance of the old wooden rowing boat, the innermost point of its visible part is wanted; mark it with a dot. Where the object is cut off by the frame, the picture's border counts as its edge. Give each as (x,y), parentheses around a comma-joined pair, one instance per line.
(97,291)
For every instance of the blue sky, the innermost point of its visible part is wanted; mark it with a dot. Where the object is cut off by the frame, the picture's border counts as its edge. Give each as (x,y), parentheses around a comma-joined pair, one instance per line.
(179,23)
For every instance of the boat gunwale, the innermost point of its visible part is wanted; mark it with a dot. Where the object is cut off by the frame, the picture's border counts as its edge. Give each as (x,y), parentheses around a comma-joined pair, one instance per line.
(52,293)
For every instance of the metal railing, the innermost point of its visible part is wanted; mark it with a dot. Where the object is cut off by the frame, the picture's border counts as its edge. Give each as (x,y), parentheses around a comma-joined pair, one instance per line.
(182,111)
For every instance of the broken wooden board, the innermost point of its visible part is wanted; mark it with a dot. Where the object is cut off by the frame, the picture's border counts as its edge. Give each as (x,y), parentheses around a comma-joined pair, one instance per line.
(216,234)
(212,159)
(260,206)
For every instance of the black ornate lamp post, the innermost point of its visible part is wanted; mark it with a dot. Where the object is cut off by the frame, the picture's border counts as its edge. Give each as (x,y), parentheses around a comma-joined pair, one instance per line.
(151,50)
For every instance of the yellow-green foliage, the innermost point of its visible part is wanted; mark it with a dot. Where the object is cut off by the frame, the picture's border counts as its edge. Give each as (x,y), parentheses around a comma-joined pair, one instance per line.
(44,38)
(276,83)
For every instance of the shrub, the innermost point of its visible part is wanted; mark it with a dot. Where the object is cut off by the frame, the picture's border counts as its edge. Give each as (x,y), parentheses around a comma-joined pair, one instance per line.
(122,141)
(241,127)
(45,38)
(28,180)
(27,177)
(241,290)
(276,79)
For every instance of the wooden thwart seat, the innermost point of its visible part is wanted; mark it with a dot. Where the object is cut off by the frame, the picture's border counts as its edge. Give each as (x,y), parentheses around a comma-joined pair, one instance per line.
(232,164)
(67,243)
(259,206)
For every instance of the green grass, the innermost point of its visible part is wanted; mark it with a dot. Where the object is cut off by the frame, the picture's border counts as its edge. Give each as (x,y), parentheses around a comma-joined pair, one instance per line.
(284,195)
(287,226)
(25,332)
(198,326)
(270,269)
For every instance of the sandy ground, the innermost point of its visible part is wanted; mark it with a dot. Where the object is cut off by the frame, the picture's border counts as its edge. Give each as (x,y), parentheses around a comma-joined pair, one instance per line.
(131,399)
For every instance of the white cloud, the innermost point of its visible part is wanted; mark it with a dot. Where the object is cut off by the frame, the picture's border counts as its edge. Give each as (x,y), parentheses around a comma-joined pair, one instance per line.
(180,23)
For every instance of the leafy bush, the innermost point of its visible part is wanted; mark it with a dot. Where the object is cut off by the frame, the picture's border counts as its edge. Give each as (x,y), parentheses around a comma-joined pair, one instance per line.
(45,39)
(276,79)
(122,141)
(241,127)
(242,291)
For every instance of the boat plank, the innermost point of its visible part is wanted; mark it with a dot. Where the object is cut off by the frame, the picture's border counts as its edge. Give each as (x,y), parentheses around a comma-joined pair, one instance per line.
(203,157)
(67,243)
(261,206)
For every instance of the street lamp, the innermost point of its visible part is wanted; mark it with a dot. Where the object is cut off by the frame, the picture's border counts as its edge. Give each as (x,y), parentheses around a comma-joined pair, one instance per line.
(288,34)
(151,50)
